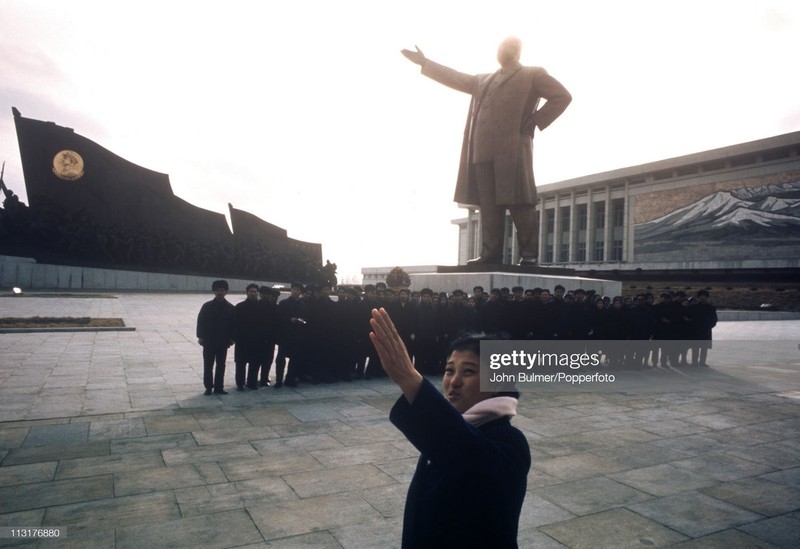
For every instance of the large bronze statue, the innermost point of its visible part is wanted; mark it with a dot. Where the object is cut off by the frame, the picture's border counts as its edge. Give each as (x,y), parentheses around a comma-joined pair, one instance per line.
(496,170)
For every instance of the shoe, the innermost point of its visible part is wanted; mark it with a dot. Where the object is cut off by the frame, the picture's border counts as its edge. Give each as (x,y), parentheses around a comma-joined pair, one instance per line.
(278,385)
(208,392)
(528,262)
(220,392)
(485,261)
(265,383)
(240,387)
(252,387)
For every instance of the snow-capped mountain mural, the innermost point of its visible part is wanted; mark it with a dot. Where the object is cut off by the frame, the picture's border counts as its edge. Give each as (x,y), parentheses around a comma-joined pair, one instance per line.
(762,222)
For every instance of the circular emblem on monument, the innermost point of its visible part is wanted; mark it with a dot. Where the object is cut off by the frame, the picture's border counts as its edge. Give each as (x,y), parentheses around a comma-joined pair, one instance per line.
(68,165)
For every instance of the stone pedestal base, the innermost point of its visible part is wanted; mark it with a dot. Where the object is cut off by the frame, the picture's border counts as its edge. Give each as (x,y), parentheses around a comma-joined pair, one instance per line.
(447,279)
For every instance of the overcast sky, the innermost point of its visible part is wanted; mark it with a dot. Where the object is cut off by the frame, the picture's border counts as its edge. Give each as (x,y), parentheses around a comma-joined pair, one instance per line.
(306,114)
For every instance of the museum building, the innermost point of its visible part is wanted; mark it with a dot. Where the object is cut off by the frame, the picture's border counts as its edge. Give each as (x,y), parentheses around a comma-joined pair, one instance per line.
(733,210)
(736,207)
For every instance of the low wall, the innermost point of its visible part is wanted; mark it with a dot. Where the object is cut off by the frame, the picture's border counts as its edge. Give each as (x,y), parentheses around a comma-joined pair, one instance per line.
(756,315)
(446,282)
(26,273)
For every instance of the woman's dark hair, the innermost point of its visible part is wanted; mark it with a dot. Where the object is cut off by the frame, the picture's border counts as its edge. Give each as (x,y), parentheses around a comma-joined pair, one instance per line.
(471,341)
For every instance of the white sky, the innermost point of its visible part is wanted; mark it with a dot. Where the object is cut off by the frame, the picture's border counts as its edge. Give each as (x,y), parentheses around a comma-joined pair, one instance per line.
(306,114)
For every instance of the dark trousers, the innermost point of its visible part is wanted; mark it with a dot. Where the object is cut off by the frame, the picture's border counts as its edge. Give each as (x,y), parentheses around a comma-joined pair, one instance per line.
(493,218)
(240,373)
(214,379)
(251,377)
(266,362)
(296,362)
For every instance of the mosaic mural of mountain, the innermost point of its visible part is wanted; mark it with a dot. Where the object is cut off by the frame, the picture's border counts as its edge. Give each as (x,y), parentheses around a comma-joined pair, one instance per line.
(750,222)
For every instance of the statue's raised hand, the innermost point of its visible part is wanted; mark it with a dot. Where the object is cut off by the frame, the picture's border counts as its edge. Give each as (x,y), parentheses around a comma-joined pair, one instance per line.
(416,57)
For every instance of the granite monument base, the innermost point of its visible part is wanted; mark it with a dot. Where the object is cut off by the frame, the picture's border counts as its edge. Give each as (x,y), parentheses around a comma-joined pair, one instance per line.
(27,274)
(447,279)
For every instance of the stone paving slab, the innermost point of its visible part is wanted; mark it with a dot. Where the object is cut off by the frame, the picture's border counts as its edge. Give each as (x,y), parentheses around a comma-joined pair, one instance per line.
(109,436)
(620,528)
(694,514)
(219,530)
(758,495)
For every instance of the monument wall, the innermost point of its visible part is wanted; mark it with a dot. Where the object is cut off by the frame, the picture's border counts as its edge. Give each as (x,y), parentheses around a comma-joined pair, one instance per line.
(90,208)
(27,274)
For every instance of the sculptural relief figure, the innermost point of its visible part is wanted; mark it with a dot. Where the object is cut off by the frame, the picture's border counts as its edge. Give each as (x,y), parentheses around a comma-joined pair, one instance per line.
(496,169)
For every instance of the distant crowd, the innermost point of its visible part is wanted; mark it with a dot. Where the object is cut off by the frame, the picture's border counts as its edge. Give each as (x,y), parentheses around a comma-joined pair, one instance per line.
(322,339)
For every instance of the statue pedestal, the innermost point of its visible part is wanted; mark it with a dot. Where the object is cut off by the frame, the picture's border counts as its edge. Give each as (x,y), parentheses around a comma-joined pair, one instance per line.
(466,277)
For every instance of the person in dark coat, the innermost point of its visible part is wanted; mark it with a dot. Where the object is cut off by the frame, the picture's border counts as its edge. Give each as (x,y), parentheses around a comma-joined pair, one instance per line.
(471,477)
(578,316)
(544,327)
(425,333)
(346,353)
(703,318)
(682,328)
(615,328)
(458,318)
(616,321)
(269,301)
(251,332)
(597,320)
(373,361)
(215,334)
(491,316)
(323,336)
(667,314)
(292,331)
(516,311)
(403,316)
(640,326)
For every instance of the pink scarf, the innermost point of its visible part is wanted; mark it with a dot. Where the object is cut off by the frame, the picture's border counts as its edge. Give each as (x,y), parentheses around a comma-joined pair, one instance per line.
(490,409)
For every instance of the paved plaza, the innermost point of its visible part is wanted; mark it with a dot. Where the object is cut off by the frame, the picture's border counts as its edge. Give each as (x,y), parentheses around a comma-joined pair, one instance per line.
(107,435)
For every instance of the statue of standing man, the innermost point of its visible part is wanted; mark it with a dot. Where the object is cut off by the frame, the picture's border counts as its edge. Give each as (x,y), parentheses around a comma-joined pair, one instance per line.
(496,169)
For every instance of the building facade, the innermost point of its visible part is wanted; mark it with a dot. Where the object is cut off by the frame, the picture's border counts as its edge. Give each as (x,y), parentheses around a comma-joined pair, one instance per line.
(737,207)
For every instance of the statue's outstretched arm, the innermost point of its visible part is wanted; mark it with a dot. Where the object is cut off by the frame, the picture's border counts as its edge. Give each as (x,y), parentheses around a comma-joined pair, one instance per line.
(416,57)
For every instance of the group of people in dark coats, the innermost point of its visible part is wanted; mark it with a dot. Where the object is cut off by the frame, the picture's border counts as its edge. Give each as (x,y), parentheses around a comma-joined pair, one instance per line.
(251,325)
(322,339)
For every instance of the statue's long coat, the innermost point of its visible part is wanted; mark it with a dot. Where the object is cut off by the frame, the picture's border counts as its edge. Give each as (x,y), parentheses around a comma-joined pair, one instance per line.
(510,133)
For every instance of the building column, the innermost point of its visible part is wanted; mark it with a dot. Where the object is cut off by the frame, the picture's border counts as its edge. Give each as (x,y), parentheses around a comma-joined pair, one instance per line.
(573,228)
(556,230)
(590,229)
(608,230)
(472,230)
(540,199)
(627,226)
